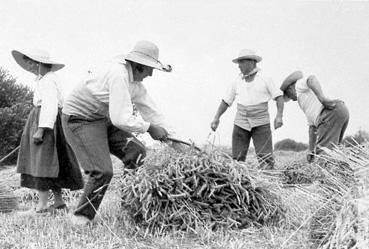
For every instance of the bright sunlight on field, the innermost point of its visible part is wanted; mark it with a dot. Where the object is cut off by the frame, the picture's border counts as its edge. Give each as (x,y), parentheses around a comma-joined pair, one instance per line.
(318,206)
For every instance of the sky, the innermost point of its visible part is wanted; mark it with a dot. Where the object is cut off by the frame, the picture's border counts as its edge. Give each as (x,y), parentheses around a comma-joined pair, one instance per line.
(329,39)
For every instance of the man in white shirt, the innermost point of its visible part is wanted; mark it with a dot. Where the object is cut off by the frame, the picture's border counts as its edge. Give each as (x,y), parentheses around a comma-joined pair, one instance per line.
(327,118)
(98,120)
(252,92)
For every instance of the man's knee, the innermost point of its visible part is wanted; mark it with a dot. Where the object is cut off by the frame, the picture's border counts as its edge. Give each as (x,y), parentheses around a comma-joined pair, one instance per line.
(134,155)
(106,174)
(239,155)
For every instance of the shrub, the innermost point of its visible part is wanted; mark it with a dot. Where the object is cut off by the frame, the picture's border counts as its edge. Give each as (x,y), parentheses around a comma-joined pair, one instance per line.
(10,92)
(15,105)
(290,144)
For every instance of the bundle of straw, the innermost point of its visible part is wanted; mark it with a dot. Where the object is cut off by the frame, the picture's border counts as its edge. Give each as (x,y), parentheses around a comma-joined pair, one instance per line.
(182,191)
(300,172)
(8,201)
(342,233)
(362,228)
(346,172)
(335,185)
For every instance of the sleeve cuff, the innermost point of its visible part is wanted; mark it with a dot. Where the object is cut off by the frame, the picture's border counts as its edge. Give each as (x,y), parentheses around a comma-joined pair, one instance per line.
(46,126)
(227,102)
(146,126)
(277,94)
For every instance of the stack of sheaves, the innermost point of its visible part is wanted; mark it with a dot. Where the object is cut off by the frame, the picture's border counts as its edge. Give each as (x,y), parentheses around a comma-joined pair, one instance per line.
(8,201)
(346,183)
(182,191)
(299,172)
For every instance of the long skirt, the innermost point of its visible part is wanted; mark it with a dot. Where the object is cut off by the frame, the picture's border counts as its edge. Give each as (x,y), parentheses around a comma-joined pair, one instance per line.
(51,164)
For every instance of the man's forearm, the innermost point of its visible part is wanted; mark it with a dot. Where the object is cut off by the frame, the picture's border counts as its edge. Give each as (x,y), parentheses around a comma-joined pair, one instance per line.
(221,109)
(280,105)
(312,138)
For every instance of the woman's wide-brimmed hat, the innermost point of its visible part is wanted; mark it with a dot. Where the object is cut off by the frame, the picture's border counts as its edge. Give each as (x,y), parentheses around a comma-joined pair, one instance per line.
(38,56)
(247,54)
(146,53)
(292,78)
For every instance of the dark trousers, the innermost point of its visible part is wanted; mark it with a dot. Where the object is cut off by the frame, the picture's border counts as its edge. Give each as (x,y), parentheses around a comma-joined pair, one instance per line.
(262,139)
(332,125)
(92,143)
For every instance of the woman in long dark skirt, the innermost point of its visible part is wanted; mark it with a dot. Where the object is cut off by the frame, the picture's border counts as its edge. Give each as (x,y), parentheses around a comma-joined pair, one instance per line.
(45,160)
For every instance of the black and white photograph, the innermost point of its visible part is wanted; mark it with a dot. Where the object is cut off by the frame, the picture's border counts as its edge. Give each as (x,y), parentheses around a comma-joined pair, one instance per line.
(163,124)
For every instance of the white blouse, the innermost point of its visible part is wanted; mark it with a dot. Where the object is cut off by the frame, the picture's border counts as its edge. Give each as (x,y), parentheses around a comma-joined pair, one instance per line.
(47,94)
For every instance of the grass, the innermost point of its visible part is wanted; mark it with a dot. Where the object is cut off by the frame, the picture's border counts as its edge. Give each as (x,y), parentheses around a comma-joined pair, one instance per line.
(114,229)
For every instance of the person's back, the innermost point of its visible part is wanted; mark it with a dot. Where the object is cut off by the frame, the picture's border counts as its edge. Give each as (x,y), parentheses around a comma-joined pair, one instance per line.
(308,101)
(90,98)
(327,118)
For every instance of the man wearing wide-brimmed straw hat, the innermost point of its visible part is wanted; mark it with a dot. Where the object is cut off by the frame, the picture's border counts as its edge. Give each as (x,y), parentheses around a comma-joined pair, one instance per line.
(45,160)
(98,120)
(252,92)
(327,118)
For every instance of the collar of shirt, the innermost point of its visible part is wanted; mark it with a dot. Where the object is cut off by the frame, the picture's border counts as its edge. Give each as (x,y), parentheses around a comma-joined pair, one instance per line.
(38,77)
(254,71)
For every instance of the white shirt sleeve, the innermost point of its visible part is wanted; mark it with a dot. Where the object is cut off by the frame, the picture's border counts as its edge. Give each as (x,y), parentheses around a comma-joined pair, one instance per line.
(148,109)
(230,95)
(272,89)
(49,102)
(120,105)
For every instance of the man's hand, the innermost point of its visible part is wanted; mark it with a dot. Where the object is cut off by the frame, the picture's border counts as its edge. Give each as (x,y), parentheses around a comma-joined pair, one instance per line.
(328,103)
(37,137)
(157,132)
(278,122)
(310,156)
(214,124)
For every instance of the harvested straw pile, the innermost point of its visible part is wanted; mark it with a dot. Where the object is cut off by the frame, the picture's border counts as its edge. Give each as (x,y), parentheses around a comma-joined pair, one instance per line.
(337,225)
(8,201)
(300,172)
(323,220)
(362,228)
(342,233)
(182,191)
(336,185)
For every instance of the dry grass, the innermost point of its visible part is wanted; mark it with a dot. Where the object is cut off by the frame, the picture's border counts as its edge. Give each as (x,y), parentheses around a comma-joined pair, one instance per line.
(8,200)
(114,229)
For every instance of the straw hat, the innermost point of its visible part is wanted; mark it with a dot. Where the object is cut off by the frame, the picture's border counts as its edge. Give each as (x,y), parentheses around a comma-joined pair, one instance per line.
(146,53)
(247,54)
(292,78)
(36,55)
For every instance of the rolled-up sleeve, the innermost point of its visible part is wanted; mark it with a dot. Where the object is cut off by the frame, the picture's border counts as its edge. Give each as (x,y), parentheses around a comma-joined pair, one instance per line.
(272,89)
(120,105)
(49,104)
(230,94)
